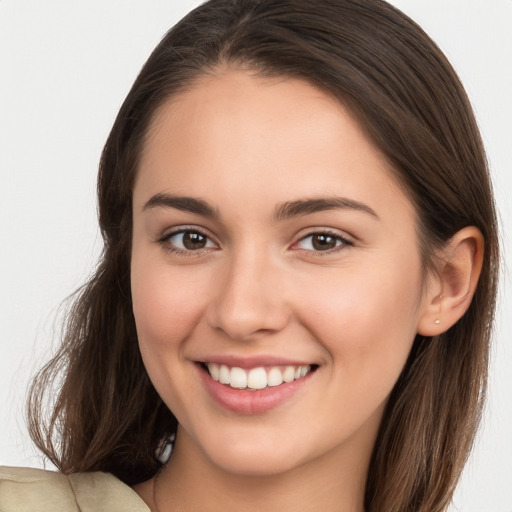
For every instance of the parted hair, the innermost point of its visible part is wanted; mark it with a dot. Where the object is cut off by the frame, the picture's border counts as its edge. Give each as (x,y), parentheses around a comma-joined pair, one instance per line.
(395,81)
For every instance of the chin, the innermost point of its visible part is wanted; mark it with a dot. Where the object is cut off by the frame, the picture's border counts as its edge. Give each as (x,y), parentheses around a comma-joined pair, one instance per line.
(253,455)
(256,463)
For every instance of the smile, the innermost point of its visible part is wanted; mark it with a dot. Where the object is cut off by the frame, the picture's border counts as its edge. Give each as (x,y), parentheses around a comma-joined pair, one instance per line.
(255,379)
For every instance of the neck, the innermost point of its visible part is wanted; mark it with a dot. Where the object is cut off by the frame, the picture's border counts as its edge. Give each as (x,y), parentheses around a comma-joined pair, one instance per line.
(333,482)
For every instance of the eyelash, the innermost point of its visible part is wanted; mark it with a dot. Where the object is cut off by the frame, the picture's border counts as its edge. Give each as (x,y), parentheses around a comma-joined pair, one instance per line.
(344,242)
(165,241)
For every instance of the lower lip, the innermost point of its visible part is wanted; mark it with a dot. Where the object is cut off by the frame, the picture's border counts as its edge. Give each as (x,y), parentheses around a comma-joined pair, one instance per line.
(251,402)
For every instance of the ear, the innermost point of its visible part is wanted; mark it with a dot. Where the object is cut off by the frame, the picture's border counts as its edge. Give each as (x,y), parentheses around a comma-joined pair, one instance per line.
(452,287)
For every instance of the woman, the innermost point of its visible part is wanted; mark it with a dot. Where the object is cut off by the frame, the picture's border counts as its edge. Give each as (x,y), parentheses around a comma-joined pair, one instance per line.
(299,275)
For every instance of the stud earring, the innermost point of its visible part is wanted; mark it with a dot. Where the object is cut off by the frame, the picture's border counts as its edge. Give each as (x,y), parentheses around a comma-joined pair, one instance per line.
(437,321)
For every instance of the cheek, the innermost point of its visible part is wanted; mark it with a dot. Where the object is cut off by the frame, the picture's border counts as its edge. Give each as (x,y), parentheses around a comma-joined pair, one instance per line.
(167,306)
(165,300)
(366,320)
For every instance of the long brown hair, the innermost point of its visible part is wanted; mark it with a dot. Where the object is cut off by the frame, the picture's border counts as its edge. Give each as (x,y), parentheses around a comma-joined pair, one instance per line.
(398,84)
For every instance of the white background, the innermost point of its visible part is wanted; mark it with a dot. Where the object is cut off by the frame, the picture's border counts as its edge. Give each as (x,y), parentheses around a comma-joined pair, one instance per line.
(66,66)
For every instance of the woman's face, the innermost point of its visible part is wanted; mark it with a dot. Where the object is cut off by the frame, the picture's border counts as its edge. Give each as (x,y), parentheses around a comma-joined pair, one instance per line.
(270,241)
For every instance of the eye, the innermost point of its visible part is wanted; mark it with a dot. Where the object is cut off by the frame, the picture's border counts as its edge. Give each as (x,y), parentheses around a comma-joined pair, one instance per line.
(188,240)
(322,242)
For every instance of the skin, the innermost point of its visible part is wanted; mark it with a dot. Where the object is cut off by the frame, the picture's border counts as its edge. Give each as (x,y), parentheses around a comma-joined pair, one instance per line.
(245,145)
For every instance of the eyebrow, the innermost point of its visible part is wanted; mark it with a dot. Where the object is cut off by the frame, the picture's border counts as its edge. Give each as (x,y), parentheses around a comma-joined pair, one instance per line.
(308,206)
(183,203)
(283,211)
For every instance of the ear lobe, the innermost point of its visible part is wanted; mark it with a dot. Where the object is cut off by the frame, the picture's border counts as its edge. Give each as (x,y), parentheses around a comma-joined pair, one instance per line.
(452,287)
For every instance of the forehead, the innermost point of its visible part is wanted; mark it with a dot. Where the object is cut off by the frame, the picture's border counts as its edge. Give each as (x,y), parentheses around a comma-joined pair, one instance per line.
(248,133)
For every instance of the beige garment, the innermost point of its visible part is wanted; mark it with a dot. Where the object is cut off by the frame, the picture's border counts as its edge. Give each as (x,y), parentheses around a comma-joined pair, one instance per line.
(36,490)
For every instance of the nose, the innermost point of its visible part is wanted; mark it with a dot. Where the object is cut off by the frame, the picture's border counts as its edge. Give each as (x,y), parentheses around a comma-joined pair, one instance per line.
(250,299)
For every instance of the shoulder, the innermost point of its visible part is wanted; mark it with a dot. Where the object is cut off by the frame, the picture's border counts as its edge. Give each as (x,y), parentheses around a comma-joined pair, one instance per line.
(37,490)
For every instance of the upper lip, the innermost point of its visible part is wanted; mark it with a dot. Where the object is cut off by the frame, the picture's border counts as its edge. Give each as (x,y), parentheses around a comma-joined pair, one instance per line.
(248,362)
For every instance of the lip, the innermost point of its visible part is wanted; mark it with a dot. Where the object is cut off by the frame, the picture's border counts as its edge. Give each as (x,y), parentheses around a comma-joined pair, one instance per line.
(253,361)
(251,402)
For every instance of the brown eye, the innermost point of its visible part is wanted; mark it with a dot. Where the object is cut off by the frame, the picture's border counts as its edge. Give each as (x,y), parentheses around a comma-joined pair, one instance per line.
(188,240)
(193,241)
(322,242)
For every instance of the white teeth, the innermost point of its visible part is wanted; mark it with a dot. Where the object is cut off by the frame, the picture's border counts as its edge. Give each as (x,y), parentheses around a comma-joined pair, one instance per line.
(238,378)
(274,377)
(289,374)
(214,371)
(257,378)
(224,375)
